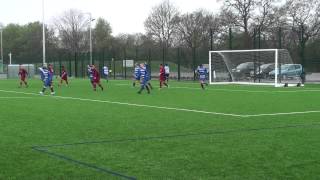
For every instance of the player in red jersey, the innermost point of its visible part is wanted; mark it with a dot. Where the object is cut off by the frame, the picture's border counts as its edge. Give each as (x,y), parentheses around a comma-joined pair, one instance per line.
(23,75)
(63,76)
(96,78)
(162,76)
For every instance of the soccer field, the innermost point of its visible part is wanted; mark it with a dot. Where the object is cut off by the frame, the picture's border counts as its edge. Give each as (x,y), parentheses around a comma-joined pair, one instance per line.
(183,132)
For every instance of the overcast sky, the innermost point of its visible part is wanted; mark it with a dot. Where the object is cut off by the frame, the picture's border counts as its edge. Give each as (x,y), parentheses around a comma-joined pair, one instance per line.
(125,16)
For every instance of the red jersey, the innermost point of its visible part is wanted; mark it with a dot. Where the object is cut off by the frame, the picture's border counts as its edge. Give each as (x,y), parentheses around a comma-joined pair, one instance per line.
(96,75)
(64,74)
(23,73)
(162,74)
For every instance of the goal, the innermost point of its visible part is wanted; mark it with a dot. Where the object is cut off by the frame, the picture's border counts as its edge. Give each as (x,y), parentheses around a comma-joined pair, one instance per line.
(254,67)
(13,70)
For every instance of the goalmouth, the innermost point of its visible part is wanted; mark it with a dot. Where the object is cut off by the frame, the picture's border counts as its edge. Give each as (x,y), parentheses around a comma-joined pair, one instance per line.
(254,67)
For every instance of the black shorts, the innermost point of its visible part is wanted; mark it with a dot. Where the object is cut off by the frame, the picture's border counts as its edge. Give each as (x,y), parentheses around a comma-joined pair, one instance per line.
(167,76)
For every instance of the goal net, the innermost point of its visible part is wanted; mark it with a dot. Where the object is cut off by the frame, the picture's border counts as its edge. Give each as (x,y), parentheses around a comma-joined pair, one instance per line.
(257,67)
(13,70)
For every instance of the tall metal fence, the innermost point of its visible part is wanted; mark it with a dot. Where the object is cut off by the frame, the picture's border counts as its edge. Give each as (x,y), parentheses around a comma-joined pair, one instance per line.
(182,60)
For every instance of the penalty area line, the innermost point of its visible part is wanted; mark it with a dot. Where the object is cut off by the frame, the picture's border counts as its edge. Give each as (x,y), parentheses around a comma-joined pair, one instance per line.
(238,90)
(171,108)
(16,97)
(131,104)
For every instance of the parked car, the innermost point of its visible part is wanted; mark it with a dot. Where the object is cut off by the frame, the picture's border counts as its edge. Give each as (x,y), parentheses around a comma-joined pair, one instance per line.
(263,71)
(243,70)
(288,71)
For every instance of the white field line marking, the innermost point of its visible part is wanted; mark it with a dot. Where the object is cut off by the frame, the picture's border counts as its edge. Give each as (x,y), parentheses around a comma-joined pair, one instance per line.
(280,114)
(16,97)
(242,90)
(132,104)
(170,108)
(239,90)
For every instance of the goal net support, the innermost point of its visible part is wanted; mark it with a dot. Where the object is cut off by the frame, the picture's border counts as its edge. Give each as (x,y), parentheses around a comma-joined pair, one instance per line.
(254,67)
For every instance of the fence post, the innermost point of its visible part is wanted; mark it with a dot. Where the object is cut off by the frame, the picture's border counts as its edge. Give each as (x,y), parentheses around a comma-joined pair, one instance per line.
(114,68)
(279,38)
(194,62)
(230,38)
(75,65)
(70,70)
(149,61)
(82,65)
(179,64)
(59,63)
(125,63)
(259,38)
(211,39)
(254,38)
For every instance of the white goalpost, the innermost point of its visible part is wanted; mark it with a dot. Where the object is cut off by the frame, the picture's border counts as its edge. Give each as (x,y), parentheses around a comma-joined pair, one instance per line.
(254,67)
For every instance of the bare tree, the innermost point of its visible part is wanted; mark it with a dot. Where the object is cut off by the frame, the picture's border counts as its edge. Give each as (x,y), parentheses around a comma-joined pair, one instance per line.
(194,29)
(72,26)
(265,14)
(162,24)
(102,35)
(243,11)
(304,18)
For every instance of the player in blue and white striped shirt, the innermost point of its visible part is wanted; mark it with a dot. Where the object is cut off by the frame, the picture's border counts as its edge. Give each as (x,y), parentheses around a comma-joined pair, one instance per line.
(46,75)
(105,72)
(202,72)
(144,78)
(148,68)
(136,75)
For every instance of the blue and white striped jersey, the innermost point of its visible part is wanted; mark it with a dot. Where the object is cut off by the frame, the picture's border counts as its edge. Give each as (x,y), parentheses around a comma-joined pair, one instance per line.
(144,74)
(105,70)
(136,72)
(202,71)
(44,74)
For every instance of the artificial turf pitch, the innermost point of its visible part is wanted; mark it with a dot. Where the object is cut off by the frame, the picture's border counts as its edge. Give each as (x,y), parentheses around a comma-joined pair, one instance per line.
(183,132)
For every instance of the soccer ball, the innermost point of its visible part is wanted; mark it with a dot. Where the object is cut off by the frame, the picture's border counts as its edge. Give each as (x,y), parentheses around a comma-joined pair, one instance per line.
(110,71)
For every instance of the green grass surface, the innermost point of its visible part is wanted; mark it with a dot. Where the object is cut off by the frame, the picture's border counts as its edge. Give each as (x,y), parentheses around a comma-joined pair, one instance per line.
(81,134)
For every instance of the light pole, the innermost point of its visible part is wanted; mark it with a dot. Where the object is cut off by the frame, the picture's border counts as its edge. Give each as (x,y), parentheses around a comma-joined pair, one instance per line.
(90,32)
(10,58)
(1,48)
(43,36)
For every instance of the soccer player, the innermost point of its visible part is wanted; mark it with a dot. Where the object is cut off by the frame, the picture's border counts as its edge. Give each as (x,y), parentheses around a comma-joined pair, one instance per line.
(64,76)
(167,72)
(22,74)
(162,77)
(105,72)
(96,78)
(136,75)
(46,77)
(144,79)
(202,72)
(148,68)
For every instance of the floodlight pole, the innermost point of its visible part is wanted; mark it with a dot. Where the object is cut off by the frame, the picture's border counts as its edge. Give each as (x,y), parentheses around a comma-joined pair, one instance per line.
(90,31)
(43,36)
(1,45)
(10,57)
(90,39)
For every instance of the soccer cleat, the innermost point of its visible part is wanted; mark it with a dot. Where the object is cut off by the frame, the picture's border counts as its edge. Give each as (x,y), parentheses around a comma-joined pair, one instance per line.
(53,93)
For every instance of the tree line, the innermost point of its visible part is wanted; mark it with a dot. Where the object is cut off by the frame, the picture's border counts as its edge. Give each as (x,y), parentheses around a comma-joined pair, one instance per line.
(240,24)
